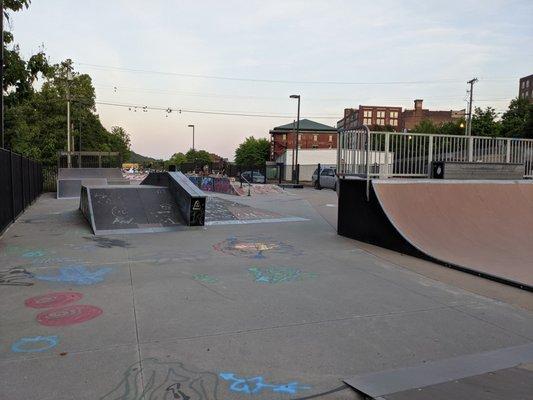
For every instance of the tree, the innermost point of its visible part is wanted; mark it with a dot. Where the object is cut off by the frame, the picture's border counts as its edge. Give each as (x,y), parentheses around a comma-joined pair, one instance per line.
(425,126)
(177,159)
(198,157)
(517,121)
(452,128)
(252,152)
(484,122)
(120,141)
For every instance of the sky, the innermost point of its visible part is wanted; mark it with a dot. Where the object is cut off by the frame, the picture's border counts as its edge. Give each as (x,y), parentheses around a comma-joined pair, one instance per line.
(247,57)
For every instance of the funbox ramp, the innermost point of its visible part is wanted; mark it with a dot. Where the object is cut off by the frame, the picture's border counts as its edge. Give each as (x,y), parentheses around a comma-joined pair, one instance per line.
(168,205)
(482,227)
(70,180)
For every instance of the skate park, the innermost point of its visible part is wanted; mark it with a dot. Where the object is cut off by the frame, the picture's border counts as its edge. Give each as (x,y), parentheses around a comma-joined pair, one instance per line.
(237,301)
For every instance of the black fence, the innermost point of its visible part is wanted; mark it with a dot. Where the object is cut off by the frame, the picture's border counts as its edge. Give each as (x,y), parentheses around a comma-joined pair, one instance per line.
(21,182)
(89,159)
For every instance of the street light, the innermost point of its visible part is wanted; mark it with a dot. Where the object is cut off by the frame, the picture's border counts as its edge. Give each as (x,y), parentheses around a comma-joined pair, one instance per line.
(296,178)
(192,126)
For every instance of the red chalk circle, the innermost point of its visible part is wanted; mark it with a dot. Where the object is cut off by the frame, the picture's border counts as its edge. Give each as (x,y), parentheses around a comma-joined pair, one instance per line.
(57,299)
(69,315)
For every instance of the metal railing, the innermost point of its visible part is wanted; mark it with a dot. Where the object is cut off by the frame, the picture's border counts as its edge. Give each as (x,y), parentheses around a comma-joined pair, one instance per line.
(89,159)
(364,153)
(21,182)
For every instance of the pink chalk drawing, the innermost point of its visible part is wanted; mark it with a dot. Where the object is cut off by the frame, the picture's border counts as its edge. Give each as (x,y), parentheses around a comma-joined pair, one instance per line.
(50,300)
(69,315)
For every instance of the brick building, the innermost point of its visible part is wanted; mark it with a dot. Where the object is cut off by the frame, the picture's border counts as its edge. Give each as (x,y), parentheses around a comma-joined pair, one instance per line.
(393,117)
(313,135)
(372,116)
(525,88)
(412,118)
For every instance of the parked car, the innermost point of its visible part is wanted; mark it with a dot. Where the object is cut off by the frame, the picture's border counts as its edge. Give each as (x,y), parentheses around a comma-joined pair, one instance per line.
(258,177)
(328,178)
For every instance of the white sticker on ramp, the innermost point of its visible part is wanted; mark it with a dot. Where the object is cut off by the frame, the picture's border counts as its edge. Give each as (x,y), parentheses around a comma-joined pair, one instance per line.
(196,206)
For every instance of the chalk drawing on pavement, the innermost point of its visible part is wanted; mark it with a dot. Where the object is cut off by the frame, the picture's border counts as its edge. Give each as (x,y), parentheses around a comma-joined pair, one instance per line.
(34,344)
(252,247)
(34,254)
(205,278)
(279,274)
(69,315)
(77,274)
(256,384)
(56,299)
(165,380)
(15,276)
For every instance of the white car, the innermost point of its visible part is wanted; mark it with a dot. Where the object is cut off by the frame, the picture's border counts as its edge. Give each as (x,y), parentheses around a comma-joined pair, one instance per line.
(328,178)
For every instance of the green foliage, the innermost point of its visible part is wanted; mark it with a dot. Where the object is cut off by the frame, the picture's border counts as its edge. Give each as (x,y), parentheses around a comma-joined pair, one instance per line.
(425,126)
(517,121)
(252,152)
(36,121)
(177,159)
(198,156)
(484,122)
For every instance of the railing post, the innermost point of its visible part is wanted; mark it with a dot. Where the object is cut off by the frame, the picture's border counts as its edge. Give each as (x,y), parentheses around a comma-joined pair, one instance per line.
(387,145)
(508,151)
(470,149)
(99,160)
(430,154)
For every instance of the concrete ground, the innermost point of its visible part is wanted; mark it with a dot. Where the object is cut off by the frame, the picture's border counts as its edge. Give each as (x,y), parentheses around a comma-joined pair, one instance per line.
(265,311)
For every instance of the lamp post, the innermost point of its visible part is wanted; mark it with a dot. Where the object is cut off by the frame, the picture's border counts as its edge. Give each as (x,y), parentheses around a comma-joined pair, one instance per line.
(192,126)
(296,178)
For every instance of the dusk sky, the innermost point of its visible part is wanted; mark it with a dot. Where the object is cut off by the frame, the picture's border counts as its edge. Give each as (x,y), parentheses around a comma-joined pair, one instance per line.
(335,54)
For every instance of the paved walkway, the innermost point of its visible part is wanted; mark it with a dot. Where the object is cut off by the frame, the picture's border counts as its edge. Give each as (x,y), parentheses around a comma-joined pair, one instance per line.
(264,311)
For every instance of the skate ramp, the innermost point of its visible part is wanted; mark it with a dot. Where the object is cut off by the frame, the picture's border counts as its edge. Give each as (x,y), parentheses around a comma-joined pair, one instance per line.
(133,209)
(483,227)
(70,180)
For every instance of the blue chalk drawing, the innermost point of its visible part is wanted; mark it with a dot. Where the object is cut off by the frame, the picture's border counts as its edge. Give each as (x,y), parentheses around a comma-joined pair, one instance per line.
(78,274)
(256,384)
(21,345)
(279,274)
(33,254)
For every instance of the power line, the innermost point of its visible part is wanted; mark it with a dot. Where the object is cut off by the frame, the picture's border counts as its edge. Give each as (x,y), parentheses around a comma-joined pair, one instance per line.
(169,110)
(118,88)
(227,78)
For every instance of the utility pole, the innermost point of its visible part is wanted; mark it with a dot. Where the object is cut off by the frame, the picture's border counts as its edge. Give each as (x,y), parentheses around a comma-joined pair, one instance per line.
(468,131)
(293,172)
(69,78)
(2,70)
(297,96)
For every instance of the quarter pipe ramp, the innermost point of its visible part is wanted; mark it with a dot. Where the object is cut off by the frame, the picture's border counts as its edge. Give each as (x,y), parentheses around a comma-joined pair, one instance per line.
(483,227)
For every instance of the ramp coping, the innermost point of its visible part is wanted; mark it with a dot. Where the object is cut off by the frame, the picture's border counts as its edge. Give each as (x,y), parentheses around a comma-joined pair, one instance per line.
(387,382)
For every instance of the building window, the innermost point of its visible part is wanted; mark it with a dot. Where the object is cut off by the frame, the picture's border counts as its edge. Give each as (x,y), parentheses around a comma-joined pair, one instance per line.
(284,137)
(394,114)
(380,114)
(380,121)
(523,84)
(367,121)
(299,137)
(527,84)
(394,122)
(315,138)
(330,139)
(367,113)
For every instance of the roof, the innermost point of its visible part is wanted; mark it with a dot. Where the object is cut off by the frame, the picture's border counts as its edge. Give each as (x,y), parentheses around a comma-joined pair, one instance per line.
(305,125)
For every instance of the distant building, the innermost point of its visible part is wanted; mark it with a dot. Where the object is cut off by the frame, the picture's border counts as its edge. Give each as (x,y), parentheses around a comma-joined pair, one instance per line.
(378,116)
(393,118)
(313,135)
(412,118)
(525,88)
